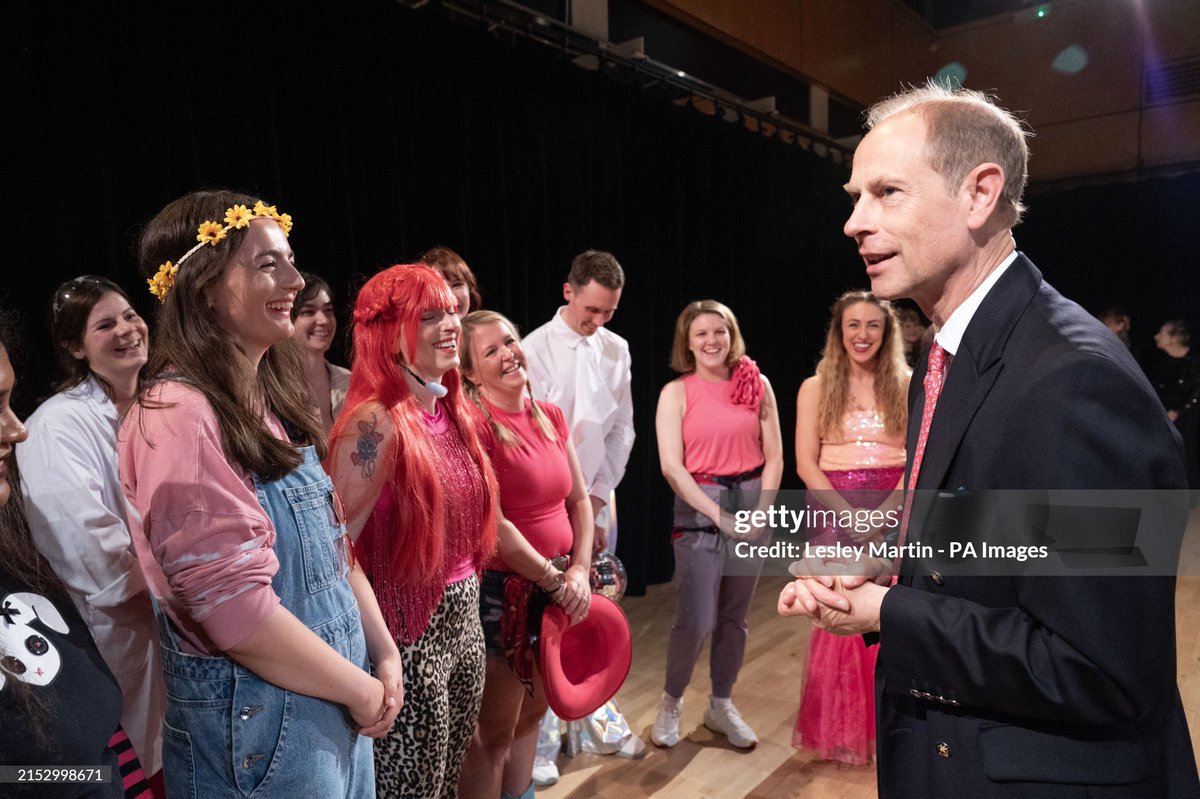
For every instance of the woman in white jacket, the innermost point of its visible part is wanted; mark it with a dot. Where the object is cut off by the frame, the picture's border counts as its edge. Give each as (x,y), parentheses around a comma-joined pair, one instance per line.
(76,508)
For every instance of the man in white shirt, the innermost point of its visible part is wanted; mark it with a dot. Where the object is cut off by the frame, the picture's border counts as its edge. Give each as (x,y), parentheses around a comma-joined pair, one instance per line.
(581,366)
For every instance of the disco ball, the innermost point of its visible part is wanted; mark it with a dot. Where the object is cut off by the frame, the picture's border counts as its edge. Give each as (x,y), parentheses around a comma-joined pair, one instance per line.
(608,576)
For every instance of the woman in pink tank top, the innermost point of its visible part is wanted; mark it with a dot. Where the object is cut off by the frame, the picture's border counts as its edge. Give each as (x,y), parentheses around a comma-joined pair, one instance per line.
(850,424)
(545,524)
(720,449)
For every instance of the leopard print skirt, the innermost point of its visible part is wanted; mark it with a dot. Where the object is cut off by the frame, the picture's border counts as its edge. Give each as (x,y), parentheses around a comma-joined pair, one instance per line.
(443,685)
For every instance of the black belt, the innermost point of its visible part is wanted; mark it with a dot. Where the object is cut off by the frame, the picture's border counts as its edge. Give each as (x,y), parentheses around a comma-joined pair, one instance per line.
(709,529)
(727,480)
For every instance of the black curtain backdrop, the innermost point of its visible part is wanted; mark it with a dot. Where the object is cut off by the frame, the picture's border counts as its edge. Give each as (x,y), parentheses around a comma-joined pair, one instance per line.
(384,131)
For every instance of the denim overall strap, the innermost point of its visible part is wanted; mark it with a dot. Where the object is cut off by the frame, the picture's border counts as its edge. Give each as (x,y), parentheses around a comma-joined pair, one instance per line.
(310,544)
(229,733)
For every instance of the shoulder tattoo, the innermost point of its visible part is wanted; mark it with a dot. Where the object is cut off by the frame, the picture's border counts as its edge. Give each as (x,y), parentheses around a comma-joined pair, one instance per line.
(366,453)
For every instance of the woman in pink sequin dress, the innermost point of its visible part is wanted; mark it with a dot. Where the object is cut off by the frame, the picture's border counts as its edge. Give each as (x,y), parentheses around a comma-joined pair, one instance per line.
(850,424)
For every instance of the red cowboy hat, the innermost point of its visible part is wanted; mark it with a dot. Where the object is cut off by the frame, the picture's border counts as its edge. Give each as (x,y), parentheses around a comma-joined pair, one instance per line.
(583,666)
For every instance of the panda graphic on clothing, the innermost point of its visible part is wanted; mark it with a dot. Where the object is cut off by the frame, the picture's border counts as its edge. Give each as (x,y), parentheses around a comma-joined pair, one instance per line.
(25,652)
(45,644)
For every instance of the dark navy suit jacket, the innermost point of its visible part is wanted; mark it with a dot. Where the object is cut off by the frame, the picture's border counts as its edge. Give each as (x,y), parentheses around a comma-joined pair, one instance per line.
(1035,686)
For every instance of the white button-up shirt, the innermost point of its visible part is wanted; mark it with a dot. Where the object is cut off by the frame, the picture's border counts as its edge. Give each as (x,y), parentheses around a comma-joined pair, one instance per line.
(950,334)
(589,378)
(77,515)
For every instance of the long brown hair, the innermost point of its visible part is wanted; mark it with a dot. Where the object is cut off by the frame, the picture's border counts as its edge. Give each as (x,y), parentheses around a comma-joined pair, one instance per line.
(891,371)
(470,323)
(22,561)
(189,341)
(18,556)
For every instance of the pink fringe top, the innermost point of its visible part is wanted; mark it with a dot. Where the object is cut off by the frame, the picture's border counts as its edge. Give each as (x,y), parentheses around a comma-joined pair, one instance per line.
(407,607)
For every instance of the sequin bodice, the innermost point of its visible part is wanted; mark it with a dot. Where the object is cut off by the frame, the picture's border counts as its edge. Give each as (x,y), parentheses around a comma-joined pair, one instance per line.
(863,444)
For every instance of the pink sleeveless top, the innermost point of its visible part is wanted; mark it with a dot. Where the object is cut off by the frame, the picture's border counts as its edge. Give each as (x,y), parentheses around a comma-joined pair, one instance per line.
(534,479)
(863,444)
(719,437)
(407,607)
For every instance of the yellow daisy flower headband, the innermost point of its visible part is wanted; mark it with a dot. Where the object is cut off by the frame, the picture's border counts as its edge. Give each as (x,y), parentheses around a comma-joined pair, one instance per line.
(211,233)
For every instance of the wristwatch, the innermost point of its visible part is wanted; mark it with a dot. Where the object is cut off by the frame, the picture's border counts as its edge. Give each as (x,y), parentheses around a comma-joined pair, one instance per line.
(557,582)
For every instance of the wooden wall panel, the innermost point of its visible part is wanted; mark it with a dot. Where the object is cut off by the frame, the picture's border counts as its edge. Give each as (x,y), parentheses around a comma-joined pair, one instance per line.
(1088,122)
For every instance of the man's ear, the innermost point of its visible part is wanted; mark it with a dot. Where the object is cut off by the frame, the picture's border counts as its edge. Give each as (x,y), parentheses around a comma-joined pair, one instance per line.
(984,186)
(568,293)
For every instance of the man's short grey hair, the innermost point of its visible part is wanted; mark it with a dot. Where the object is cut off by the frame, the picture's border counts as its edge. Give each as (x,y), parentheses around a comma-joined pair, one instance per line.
(964,129)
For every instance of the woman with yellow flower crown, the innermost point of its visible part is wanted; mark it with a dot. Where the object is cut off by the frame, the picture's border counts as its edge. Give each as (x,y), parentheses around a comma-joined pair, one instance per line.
(266,623)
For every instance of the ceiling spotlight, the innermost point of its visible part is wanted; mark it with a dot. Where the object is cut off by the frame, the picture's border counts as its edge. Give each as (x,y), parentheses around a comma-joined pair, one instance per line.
(1071,60)
(951,75)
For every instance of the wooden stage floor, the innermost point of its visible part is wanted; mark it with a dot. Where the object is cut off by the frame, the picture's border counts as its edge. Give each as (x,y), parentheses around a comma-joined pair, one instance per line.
(767,693)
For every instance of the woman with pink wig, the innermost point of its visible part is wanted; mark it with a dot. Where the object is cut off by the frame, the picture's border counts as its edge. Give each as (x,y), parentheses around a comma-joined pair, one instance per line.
(421,506)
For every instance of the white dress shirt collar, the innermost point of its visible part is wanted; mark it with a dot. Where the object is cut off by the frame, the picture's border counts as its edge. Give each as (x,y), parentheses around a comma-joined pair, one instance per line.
(950,334)
(560,328)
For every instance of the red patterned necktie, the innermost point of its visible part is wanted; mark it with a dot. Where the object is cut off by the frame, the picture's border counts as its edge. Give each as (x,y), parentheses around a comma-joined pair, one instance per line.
(935,376)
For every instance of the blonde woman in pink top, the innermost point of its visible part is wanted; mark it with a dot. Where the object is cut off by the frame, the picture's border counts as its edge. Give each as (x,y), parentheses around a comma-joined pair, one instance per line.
(718,428)
(544,539)
(267,626)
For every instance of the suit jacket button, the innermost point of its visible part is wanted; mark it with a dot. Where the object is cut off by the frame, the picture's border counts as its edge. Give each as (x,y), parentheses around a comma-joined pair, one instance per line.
(927,696)
(914,693)
(943,749)
(937,578)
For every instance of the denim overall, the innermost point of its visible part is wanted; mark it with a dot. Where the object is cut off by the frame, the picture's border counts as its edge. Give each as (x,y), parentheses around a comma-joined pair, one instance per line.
(229,733)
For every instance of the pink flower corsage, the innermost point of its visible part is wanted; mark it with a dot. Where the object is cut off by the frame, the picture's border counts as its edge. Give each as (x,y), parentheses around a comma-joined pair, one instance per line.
(747,384)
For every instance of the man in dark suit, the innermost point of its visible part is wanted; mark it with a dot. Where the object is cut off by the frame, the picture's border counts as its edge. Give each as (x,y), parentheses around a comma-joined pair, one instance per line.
(1002,686)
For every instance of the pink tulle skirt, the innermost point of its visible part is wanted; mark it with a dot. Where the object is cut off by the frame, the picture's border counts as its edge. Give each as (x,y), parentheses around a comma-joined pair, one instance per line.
(837,704)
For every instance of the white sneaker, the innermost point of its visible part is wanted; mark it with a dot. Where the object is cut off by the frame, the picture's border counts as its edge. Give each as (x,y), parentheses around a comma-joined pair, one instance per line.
(724,718)
(666,722)
(634,748)
(545,772)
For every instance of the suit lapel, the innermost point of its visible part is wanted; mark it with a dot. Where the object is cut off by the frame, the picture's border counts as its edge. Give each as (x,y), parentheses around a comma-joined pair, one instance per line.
(974,369)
